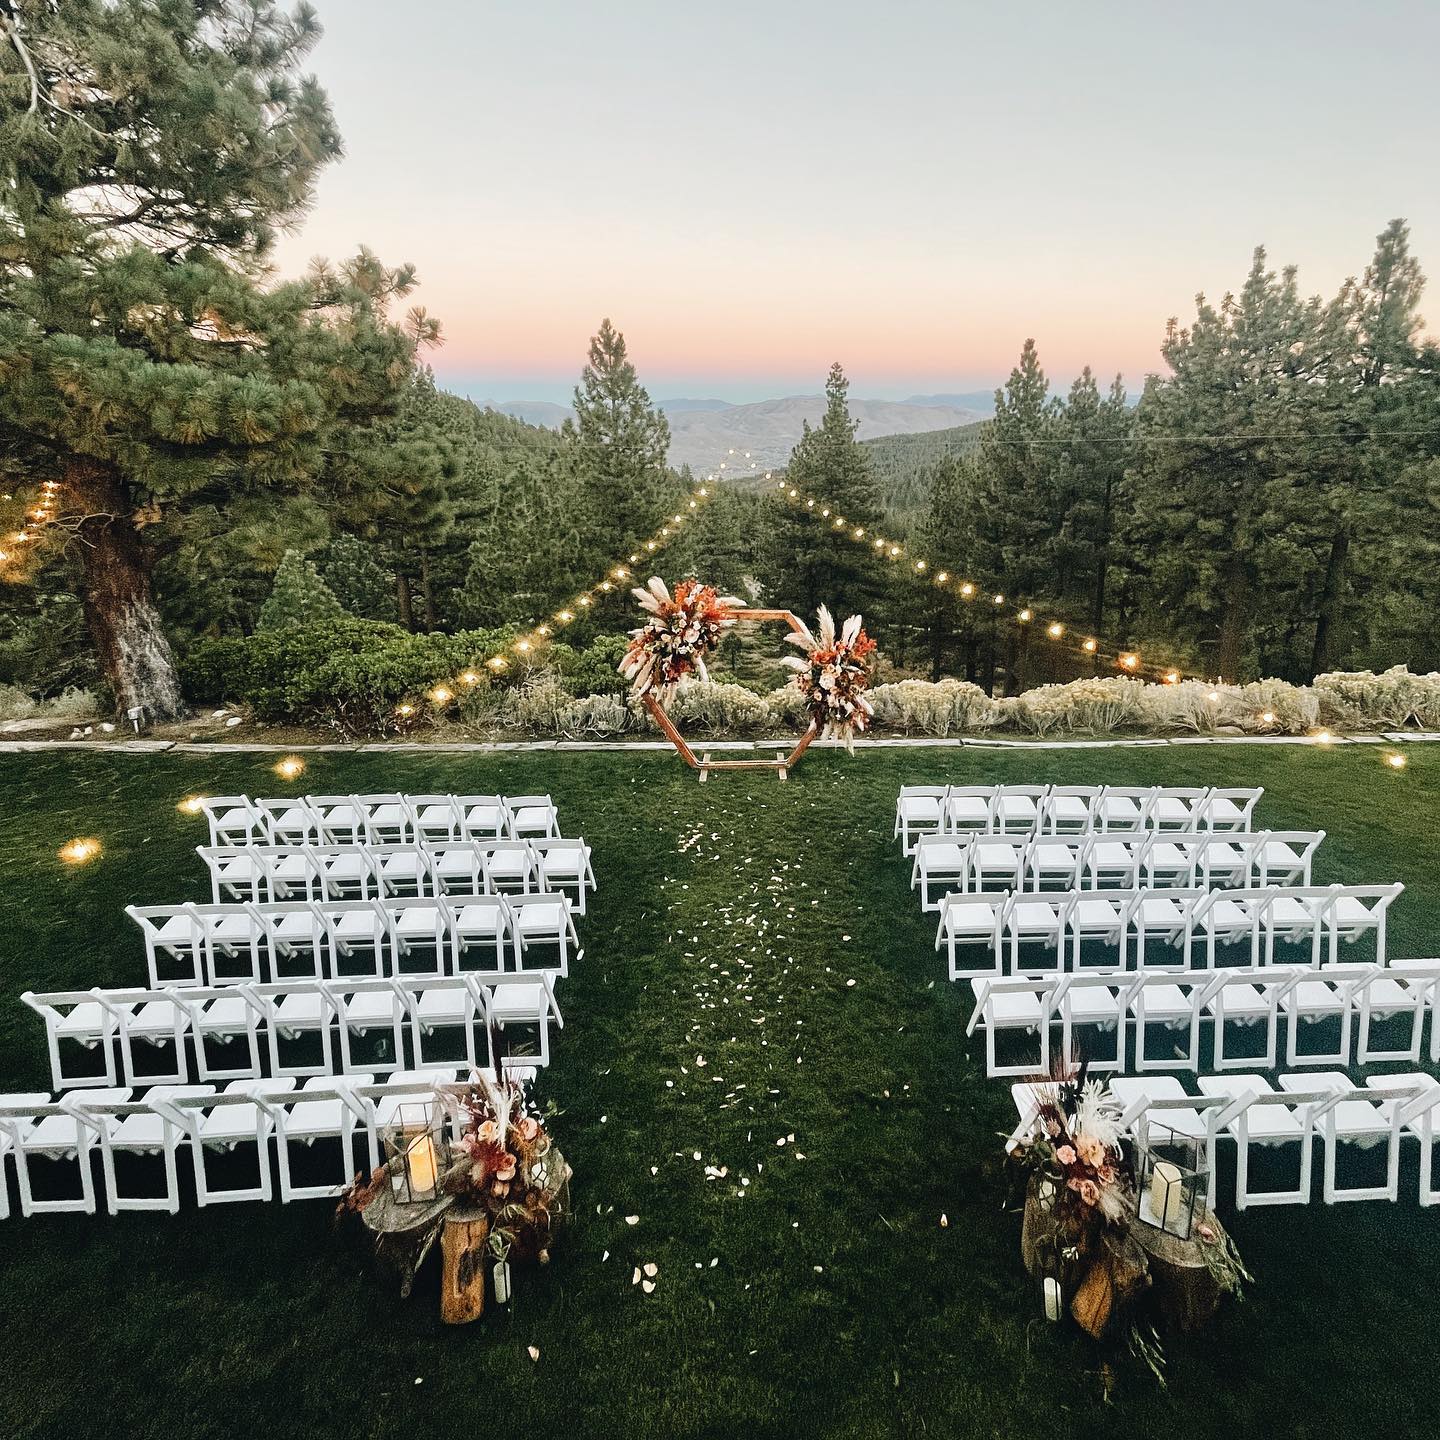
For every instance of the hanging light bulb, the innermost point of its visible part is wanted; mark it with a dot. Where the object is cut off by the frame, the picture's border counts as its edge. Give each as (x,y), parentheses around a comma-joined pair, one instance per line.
(470,678)
(441,695)
(1026,616)
(942,577)
(1089,646)
(1054,629)
(497,662)
(859,532)
(920,566)
(967,589)
(999,599)
(1129,661)
(404,710)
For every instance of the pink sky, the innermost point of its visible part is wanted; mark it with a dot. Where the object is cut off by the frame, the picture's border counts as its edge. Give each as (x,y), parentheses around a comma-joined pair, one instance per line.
(752,191)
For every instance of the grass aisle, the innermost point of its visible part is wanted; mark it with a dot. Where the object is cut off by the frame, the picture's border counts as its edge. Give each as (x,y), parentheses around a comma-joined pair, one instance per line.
(756,969)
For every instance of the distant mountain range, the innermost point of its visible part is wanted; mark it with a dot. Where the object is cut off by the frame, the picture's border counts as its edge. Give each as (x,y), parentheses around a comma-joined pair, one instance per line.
(704,432)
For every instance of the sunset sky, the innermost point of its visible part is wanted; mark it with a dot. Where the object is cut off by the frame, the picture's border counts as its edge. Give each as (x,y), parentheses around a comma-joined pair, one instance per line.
(752,190)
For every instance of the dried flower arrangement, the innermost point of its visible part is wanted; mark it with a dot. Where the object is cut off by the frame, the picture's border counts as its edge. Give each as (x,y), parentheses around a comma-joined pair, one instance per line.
(680,632)
(833,676)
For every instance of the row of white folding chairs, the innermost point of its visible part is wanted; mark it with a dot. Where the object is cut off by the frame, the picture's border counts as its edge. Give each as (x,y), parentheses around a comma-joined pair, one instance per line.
(377,819)
(1060,921)
(1069,809)
(1201,859)
(1247,1110)
(438,867)
(205,1026)
(199,944)
(1271,999)
(211,1124)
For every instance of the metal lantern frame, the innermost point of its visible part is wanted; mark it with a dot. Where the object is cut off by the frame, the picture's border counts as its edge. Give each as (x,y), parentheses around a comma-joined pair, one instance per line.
(415,1127)
(1182,1198)
(703,763)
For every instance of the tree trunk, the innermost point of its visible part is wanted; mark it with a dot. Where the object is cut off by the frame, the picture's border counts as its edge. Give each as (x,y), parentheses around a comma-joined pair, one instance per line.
(1322,657)
(1232,620)
(1102,569)
(427,594)
(402,601)
(937,644)
(462,1254)
(117,599)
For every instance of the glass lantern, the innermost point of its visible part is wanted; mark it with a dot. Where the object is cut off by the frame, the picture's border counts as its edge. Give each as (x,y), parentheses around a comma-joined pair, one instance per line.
(415,1152)
(1170,1181)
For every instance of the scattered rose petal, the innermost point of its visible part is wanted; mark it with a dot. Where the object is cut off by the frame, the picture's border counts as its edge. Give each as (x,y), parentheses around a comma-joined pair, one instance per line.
(648,1286)
(632,1219)
(651,1269)
(533,1351)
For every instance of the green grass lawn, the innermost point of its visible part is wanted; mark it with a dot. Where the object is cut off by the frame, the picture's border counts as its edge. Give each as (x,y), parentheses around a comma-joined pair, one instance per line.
(731,920)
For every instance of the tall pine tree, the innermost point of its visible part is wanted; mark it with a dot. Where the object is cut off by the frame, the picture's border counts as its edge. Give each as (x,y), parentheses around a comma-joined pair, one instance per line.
(148,360)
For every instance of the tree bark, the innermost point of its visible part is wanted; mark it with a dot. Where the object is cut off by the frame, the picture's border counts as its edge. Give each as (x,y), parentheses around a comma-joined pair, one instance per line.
(118,602)
(462,1273)
(1232,620)
(402,600)
(1322,657)
(427,594)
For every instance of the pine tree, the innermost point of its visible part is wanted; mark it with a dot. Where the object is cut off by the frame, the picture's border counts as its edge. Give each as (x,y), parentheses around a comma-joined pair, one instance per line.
(809,561)
(357,579)
(617,446)
(148,359)
(299,595)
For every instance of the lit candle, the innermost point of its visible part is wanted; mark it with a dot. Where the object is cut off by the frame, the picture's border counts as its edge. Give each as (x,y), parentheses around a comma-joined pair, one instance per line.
(420,1162)
(1052,1298)
(1165,1195)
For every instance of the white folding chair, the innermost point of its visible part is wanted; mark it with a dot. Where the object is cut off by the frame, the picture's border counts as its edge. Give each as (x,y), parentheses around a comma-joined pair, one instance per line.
(1013,1005)
(292,822)
(523,1000)
(1069,810)
(1248,998)
(389,819)
(358,935)
(542,919)
(1349,1116)
(1123,808)
(564,866)
(1170,859)
(459,866)
(1038,917)
(421,939)
(1420,1117)
(1112,861)
(439,1012)
(235,820)
(342,819)
(533,817)
(243,1116)
(381,1103)
(510,867)
(919,812)
(324,1108)
(438,818)
(147,1126)
(939,860)
(969,810)
(1055,861)
(1255,1113)
(1231,808)
(994,862)
(972,920)
(1175,1001)
(1425,973)
(362,1007)
(77,1017)
(160,1018)
(1018,808)
(294,1012)
(480,922)
(54,1131)
(237,873)
(1285,857)
(1103,915)
(16,1121)
(1389,996)
(1156,1105)
(485,817)
(297,937)
(1094,1002)
(406,870)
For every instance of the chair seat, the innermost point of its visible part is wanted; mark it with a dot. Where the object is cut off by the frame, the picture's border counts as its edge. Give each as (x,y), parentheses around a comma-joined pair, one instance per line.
(1022,1008)
(998,857)
(1287,911)
(972,809)
(1240,1001)
(1156,912)
(1225,812)
(1070,808)
(455,862)
(969,918)
(518,1002)
(485,817)
(533,818)
(1092,1002)
(920,807)
(1314,997)
(1034,915)
(305,1011)
(86,1021)
(224,1016)
(1167,1002)
(227,1124)
(942,859)
(567,863)
(1060,858)
(361,925)
(306,1119)
(155,1017)
(423,920)
(1172,810)
(369,1007)
(1119,807)
(1348,911)
(1090,912)
(544,919)
(444,1006)
(177,928)
(479,920)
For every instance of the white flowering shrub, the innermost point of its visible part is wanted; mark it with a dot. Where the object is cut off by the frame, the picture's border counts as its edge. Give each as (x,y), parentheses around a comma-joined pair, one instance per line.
(15,704)
(595,716)
(1098,705)
(1291,709)
(1385,701)
(787,708)
(703,705)
(938,708)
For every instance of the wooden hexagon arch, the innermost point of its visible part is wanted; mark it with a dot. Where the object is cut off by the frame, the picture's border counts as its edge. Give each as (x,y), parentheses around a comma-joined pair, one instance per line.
(703,763)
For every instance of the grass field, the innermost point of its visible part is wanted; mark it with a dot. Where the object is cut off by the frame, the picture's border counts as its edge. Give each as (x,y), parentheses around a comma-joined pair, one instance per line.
(731,920)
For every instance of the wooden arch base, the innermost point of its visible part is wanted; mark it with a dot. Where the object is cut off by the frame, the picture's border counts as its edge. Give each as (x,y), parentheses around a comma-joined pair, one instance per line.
(703,763)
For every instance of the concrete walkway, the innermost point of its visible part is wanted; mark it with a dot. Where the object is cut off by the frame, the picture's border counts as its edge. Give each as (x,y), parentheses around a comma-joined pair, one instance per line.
(221,747)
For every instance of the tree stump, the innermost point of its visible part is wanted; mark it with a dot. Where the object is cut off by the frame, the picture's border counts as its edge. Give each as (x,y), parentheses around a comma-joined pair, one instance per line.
(462,1254)
(1186,1290)
(404,1233)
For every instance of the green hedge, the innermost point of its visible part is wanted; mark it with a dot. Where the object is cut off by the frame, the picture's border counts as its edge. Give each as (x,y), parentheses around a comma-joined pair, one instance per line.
(355,673)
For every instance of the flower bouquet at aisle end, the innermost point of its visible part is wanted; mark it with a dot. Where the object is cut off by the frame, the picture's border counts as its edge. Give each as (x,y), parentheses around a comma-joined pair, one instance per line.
(675,640)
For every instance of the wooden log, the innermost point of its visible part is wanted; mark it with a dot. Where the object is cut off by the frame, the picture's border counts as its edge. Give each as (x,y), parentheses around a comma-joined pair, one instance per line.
(1186,1290)
(462,1254)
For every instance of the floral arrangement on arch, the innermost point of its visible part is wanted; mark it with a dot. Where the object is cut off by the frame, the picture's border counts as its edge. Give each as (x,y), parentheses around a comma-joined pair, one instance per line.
(833,676)
(505,1161)
(680,632)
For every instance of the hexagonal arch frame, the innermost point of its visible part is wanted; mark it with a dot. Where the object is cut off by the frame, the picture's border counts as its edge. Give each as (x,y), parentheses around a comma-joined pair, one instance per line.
(703,763)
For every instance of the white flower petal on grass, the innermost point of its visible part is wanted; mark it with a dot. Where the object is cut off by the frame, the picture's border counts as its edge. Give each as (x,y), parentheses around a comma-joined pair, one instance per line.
(635,1276)
(648,1286)
(651,1268)
(533,1352)
(632,1219)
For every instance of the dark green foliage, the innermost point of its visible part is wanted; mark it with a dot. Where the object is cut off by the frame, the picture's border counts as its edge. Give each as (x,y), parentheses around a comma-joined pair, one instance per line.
(299,596)
(901,463)
(354,575)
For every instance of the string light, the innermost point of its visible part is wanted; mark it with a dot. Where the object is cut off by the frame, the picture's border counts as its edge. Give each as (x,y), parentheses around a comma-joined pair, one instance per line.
(497,663)
(1054,629)
(1025,616)
(470,678)
(1130,662)
(290,768)
(1089,647)
(441,695)
(967,590)
(80,850)
(191,805)
(1395,760)
(404,711)
(1172,677)
(1267,717)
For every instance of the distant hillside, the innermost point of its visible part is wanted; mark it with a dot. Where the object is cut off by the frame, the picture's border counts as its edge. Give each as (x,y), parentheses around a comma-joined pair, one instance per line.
(980,401)
(899,460)
(532,412)
(769,429)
